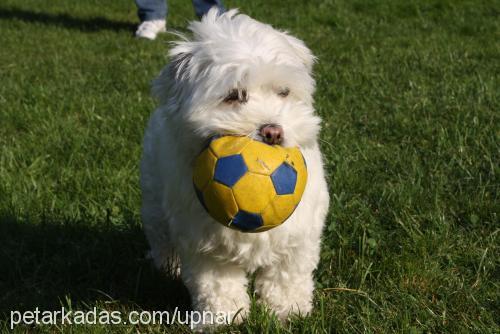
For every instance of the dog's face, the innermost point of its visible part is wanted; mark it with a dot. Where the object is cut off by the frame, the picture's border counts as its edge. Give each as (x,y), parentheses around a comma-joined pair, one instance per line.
(239,76)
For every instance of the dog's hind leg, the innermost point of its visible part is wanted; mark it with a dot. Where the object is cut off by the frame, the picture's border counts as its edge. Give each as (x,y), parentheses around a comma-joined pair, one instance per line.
(156,227)
(162,253)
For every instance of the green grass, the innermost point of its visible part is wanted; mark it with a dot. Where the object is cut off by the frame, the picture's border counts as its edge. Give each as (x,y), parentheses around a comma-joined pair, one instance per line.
(409,95)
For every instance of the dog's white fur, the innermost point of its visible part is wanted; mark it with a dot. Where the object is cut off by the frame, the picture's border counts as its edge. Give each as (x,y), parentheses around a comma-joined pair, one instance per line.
(231,51)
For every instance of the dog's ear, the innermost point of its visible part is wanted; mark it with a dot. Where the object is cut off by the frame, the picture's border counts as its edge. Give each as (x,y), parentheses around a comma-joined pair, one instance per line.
(301,50)
(166,84)
(179,65)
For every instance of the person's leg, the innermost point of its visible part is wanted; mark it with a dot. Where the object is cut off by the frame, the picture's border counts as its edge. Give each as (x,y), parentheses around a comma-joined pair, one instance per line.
(201,7)
(152,14)
(149,10)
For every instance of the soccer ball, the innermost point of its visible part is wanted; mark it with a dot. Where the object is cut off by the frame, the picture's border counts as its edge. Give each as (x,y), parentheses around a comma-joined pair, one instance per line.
(249,185)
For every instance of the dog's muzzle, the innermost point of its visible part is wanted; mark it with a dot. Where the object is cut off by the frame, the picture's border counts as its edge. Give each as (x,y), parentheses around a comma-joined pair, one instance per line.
(272,134)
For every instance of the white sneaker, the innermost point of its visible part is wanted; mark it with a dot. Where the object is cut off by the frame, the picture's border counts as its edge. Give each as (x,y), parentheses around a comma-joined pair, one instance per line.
(150,29)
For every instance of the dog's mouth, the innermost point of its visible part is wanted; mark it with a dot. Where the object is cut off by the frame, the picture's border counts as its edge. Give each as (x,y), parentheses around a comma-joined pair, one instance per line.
(271,134)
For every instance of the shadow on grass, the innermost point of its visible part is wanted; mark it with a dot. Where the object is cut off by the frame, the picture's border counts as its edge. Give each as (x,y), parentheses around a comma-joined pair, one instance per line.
(65,20)
(42,264)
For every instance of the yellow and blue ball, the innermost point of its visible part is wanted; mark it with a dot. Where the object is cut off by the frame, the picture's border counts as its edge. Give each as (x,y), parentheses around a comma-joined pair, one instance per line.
(248,185)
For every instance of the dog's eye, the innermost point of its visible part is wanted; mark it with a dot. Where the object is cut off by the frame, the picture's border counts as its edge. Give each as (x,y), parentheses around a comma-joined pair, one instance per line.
(284,92)
(232,96)
(237,95)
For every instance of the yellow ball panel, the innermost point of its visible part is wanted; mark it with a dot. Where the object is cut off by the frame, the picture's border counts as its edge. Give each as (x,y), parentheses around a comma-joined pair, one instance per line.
(264,228)
(220,202)
(253,192)
(300,186)
(294,157)
(203,170)
(262,158)
(229,145)
(279,210)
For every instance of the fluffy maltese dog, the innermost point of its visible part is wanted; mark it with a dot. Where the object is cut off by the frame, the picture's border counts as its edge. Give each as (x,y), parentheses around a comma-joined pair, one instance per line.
(234,76)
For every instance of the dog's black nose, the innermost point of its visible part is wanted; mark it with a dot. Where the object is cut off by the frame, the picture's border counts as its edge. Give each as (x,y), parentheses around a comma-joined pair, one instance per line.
(272,134)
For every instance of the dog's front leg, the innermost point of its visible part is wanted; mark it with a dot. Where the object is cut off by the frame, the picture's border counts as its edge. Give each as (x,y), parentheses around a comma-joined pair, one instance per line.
(288,286)
(216,287)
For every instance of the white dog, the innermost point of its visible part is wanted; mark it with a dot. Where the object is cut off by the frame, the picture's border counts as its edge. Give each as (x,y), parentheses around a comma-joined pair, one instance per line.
(235,76)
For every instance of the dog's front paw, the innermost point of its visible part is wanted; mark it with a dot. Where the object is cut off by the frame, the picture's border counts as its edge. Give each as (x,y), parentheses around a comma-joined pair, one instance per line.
(287,297)
(224,308)
(225,312)
(285,307)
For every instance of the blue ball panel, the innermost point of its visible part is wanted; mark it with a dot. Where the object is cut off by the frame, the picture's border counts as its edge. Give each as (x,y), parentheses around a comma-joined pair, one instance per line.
(246,221)
(284,179)
(230,169)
